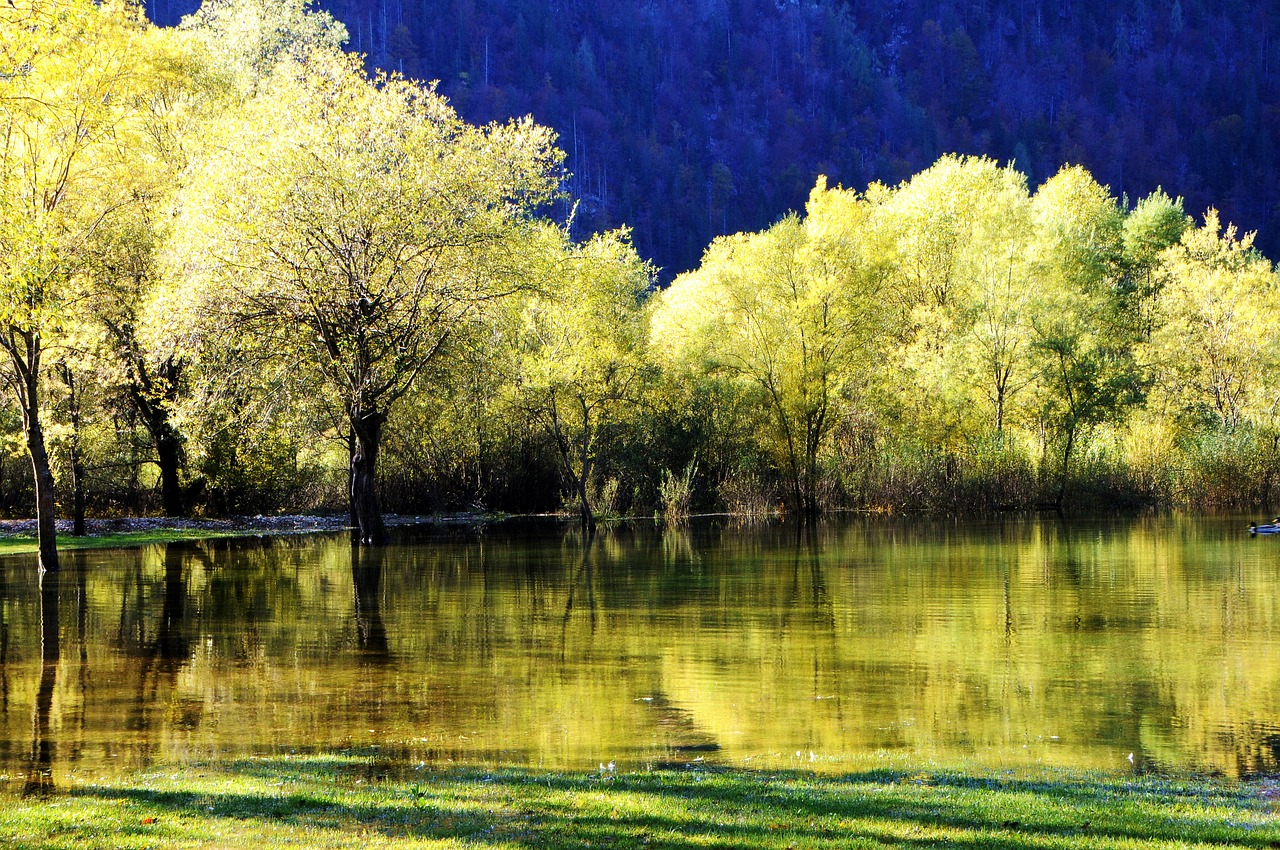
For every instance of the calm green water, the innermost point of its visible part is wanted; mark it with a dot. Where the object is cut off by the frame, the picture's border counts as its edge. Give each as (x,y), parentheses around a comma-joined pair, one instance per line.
(1014,644)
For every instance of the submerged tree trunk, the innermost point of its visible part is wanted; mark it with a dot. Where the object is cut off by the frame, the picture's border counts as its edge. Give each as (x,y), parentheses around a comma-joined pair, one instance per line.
(366,509)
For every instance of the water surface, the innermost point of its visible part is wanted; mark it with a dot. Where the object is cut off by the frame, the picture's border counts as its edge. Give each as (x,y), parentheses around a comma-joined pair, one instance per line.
(1122,645)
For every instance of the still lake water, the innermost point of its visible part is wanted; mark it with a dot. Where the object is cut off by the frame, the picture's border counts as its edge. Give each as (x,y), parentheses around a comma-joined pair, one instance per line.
(997,644)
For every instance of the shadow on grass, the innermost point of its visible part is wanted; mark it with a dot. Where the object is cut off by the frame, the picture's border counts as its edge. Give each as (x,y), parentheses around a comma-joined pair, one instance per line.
(711,808)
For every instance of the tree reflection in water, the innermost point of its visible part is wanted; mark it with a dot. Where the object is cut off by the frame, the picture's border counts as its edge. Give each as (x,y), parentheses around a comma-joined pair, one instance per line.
(40,772)
(1014,644)
(366,577)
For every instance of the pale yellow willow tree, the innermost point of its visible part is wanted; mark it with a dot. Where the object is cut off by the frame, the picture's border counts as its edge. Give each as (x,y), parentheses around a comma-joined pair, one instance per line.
(583,348)
(74,77)
(247,39)
(353,225)
(793,314)
(1085,333)
(958,239)
(1216,347)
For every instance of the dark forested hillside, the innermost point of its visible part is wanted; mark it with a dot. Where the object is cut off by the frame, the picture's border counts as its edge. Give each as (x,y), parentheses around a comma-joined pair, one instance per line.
(686,119)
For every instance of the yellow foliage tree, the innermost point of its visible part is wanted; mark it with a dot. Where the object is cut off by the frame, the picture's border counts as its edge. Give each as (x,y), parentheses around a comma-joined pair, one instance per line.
(76,78)
(793,314)
(351,226)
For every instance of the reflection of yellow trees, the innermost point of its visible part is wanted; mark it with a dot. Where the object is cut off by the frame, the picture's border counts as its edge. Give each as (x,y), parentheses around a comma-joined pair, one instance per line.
(1013,644)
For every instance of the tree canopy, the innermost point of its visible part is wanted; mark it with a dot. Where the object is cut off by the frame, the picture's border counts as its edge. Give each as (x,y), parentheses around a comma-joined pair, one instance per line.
(244,274)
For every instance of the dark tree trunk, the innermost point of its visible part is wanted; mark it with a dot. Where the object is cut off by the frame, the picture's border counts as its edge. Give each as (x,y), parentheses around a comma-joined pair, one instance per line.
(153,391)
(1066,467)
(25,350)
(366,509)
(584,503)
(46,499)
(578,480)
(351,465)
(169,454)
(77,489)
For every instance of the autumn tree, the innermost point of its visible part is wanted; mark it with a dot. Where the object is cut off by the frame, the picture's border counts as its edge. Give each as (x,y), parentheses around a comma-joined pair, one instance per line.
(1155,223)
(956,239)
(1084,340)
(247,39)
(583,345)
(1217,345)
(72,76)
(352,225)
(792,314)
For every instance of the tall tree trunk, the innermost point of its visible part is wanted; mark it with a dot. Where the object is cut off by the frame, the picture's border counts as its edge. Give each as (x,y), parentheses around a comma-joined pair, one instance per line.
(25,349)
(168,442)
(46,528)
(366,509)
(169,454)
(576,479)
(351,465)
(588,517)
(1066,466)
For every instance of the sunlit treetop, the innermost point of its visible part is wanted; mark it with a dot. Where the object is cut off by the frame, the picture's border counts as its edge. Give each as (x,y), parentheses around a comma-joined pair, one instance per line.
(248,38)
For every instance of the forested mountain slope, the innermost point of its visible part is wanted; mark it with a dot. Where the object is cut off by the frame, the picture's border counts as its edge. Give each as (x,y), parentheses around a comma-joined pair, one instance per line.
(686,119)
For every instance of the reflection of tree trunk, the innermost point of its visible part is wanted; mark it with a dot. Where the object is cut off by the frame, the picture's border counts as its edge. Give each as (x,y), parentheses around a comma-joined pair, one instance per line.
(171,643)
(366,577)
(585,574)
(40,773)
(4,645)
(162,656)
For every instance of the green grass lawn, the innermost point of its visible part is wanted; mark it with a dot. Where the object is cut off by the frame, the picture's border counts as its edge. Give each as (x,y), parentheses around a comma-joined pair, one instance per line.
(340,802)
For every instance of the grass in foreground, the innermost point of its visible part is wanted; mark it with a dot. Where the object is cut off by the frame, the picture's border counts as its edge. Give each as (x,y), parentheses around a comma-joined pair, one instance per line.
(337,802)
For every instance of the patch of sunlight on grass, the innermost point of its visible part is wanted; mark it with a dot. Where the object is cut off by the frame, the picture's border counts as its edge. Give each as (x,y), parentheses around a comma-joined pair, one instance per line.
(332,802)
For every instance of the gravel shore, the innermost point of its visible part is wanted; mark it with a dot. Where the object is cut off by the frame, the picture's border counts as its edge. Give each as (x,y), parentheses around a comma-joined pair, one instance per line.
(124,525)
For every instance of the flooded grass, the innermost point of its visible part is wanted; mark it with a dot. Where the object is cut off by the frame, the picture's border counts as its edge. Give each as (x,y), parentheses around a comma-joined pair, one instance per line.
(332,802)
(24,544)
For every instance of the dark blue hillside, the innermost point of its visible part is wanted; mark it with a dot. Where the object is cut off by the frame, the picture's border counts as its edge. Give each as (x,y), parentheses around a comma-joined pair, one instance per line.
(691,118)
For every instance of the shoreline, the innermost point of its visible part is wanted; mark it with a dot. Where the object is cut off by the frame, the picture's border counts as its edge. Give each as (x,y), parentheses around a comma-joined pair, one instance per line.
(17,536)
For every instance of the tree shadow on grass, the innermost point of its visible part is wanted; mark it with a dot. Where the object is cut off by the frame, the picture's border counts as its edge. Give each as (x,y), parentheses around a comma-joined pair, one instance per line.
(712,808)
